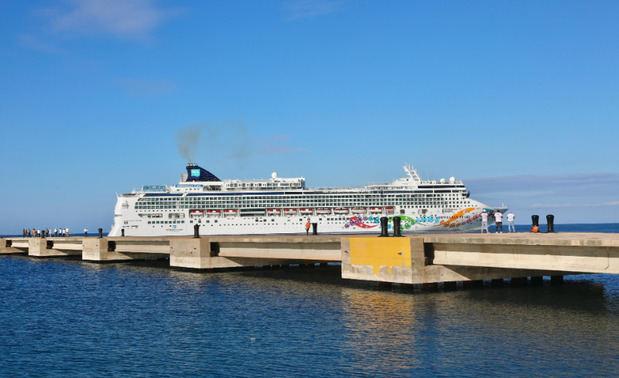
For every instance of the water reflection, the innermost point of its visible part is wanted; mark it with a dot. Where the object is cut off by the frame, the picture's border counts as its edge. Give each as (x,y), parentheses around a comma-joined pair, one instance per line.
(294,321)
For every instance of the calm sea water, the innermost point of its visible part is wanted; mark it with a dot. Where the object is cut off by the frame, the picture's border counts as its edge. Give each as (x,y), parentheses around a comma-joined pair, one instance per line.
(62,317)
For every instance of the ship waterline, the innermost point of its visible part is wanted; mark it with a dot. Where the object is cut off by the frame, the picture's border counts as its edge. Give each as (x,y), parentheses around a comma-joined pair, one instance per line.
(284,206)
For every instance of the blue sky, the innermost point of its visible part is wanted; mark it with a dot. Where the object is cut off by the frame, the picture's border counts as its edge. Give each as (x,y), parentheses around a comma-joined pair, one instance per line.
(519,99)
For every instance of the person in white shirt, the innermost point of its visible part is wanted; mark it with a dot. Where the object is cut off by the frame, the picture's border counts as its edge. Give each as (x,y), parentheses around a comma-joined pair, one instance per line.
(498,220)
(85,231)
(510,222)
(484,221)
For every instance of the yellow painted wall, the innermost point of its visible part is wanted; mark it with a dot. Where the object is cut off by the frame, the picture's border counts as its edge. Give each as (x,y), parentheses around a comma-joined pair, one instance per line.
(377,252)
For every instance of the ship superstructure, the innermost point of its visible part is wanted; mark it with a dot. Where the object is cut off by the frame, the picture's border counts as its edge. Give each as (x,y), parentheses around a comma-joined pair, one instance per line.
(284,205)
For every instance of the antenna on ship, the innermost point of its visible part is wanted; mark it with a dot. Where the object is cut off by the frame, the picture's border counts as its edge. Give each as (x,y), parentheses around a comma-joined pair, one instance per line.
(411,172)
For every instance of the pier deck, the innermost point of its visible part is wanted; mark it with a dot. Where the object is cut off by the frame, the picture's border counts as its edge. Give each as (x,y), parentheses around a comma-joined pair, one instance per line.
(412,259)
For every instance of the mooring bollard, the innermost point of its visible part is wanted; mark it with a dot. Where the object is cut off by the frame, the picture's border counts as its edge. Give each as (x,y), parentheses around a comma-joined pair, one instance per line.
(535,221)
(397,229)
(315,228)
(196,230)
(100,233)
(384,228)
(550,221)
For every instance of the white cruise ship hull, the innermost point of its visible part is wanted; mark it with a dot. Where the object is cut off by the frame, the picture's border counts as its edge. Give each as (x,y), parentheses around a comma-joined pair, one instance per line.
(285,206)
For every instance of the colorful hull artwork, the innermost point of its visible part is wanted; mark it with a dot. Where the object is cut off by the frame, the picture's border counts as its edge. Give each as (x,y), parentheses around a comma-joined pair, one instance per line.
(461,219)
(405,221)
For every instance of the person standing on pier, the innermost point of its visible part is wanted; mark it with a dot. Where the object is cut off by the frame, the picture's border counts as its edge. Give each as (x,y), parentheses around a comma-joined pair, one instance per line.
(484,221)
(498,220)
(85,231)
(307,227)
(510,222)
(67,230)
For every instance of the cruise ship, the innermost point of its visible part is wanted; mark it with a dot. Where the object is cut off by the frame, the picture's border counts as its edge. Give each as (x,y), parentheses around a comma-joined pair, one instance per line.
(280,205)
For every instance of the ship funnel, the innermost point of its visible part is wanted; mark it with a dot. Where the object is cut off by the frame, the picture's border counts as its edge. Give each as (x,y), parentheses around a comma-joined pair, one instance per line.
(197,173)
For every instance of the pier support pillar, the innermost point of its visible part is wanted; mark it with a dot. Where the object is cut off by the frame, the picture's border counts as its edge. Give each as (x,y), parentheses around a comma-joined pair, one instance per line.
(6,248)
(194,253)
(202,253)
(537,280)
(472,284)
(556,280)
(95,249)
(519,281)
(41,247)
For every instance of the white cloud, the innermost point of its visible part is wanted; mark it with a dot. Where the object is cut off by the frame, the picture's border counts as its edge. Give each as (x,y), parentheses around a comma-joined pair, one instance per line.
(122,18)
(574,198)
(32,42)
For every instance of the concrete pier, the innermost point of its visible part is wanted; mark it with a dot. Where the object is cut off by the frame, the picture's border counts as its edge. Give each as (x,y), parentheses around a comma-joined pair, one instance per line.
(418,259)
(42,247)
(101,250)
(7,247)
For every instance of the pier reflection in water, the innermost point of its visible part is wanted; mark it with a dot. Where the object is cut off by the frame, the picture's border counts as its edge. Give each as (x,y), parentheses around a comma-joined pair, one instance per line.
(67,317)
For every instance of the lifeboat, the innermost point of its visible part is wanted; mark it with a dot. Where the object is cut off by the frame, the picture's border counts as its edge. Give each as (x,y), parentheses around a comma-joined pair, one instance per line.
(376,209)
(290,211)
(389,209)
(359,210)
(229,212)
(196,213)
(273,211)
(323,211)
(213,212)
(340,210)
(305,211)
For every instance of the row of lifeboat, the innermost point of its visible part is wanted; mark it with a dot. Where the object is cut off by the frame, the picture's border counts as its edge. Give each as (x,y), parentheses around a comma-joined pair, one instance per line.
(303,211)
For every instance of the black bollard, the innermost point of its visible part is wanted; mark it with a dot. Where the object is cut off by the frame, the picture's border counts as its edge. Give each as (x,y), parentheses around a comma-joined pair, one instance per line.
(196,230)
(315,228)
(122,232)
(535,220)
(397,229)
(100,233)
(384,228)
(550,221)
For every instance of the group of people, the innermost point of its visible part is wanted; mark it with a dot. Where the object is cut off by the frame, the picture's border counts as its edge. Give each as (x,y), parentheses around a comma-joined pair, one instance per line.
(498,220)
(46,232)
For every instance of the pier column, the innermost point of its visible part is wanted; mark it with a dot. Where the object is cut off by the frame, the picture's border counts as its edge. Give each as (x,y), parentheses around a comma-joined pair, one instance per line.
(95,249)
(370,258)
(192,253)
(41,247)
(204,253)
(519,281)
(6,248)
(556,280)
